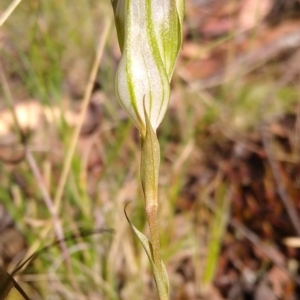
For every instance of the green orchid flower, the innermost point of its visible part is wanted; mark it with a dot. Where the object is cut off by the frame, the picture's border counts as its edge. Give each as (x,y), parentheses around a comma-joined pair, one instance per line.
(150,37)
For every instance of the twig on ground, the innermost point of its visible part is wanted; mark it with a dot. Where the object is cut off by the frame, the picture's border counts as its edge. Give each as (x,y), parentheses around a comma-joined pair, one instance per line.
(247,62)
(266,139)
(288,204)
(269,250)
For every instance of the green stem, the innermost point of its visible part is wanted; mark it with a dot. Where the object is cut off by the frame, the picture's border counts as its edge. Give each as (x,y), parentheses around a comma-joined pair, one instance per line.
(150,160)
(154,236)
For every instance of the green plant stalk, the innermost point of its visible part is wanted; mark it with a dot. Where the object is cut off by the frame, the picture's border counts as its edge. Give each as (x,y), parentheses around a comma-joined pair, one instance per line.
(150,160)
(154,236)
(150,36)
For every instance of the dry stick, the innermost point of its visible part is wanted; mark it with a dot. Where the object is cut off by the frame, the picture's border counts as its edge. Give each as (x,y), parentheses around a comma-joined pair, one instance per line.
(266,139)
(267,250)
(36,173)
(9,11)
(254,239)
(252,60)
(296,136)
(87,95)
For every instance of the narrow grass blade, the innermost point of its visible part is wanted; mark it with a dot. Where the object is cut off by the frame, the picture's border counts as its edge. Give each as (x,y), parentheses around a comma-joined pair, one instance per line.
(7,282)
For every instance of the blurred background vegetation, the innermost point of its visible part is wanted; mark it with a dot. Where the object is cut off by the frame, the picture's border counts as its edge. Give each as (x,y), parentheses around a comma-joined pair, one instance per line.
(229,179)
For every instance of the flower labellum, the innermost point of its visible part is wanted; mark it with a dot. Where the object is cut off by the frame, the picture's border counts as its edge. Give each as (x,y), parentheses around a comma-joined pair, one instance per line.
(150,36)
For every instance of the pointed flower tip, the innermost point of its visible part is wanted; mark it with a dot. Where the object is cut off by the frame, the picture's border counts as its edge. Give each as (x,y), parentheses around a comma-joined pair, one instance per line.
(150,37)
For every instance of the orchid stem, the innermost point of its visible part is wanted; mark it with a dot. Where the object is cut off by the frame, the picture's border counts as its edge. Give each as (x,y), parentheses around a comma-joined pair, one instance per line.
(154,236)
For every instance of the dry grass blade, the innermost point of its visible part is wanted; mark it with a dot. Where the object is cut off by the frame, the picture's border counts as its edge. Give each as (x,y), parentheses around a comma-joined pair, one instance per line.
(289,206)
(35,170)
(49,203)
(87,95)
(9,11)
(269,250)
(7,281)
(266,140)
(5,285)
